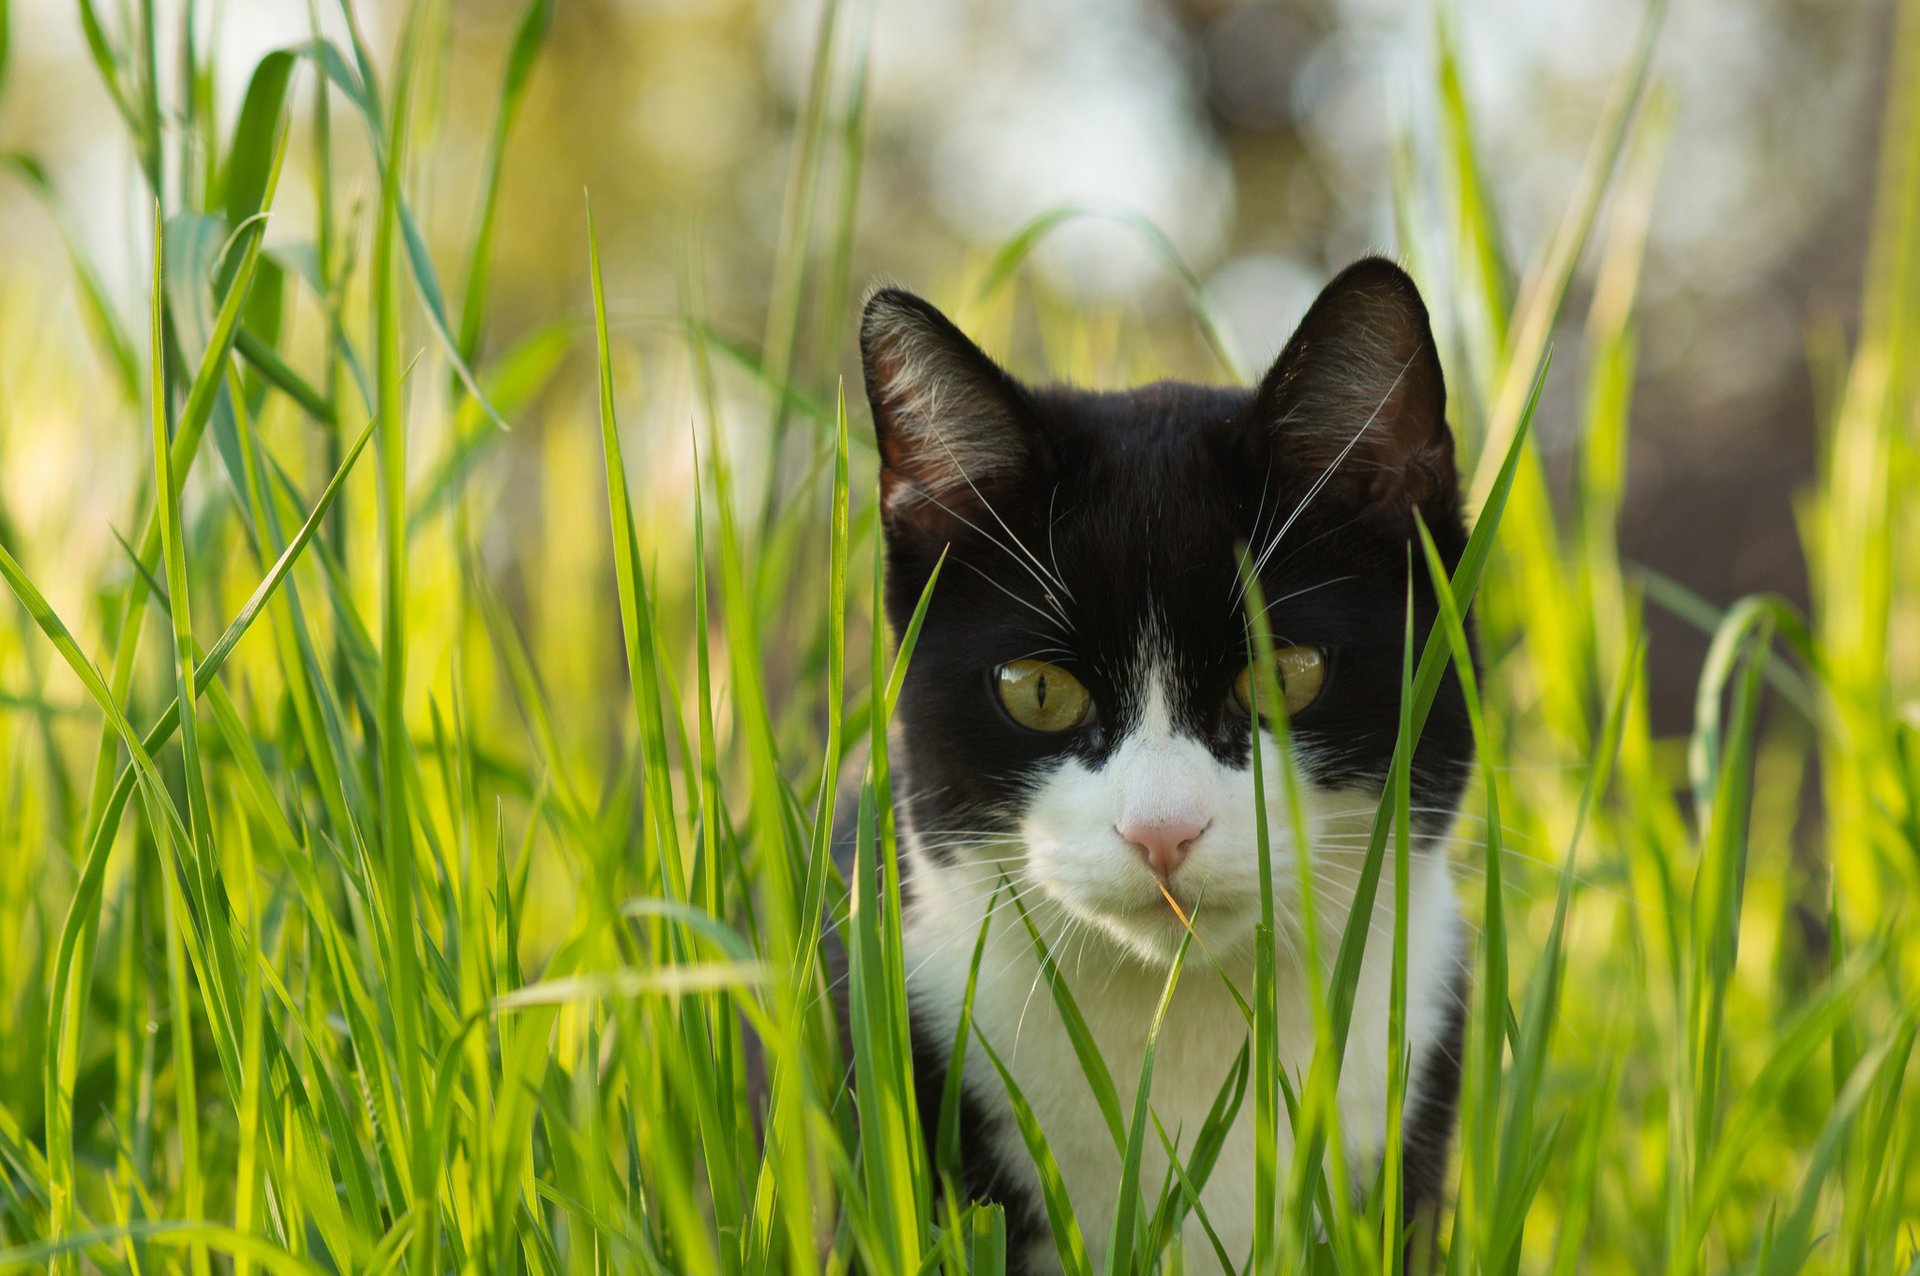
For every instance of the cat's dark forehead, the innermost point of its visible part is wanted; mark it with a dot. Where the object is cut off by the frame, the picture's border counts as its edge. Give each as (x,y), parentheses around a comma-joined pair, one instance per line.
(1103,531)
(1140,507)
(1132,468)
(1172,423)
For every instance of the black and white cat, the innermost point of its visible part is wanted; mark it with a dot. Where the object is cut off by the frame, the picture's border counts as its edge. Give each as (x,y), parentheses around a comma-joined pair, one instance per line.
(1075,716)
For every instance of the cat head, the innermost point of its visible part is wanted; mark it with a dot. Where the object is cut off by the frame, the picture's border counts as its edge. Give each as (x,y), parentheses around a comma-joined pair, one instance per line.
(1076,709)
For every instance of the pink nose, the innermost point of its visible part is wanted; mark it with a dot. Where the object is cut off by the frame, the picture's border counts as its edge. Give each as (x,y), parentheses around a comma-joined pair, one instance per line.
(1163,844)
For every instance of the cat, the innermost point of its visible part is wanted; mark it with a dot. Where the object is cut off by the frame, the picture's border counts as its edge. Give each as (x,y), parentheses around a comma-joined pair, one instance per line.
(1076,717)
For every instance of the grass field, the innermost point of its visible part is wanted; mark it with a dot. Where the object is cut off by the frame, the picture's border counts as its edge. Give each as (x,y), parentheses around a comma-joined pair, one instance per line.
(430,939)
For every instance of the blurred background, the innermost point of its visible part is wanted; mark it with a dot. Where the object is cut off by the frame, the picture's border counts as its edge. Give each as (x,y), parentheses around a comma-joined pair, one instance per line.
(1106,191)
(1259,137)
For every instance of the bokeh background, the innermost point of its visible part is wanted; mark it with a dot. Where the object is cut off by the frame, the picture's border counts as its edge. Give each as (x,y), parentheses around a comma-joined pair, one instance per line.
(1185,174)
(1260,137)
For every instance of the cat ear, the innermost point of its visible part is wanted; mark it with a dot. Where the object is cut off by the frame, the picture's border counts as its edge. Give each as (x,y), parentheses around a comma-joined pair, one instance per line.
(1357,394)
(951,425)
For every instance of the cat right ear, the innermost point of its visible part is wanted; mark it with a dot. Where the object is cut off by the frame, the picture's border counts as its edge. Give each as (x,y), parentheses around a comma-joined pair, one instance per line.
(952,427)
(1357,396)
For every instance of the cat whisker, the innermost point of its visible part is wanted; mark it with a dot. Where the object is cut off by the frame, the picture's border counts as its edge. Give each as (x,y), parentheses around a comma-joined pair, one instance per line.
(1480,871)
(1067,928)
(957,826)
(1311,541)
(1260,513)
(974,871)
(959,860)
(940,950)
(1508,832)
(1325,475)
(1012,890)
(970,876)
(1337,580)
(1040,567)
(963,840)
(1055,950)
(957,830)
(1049,617)
(1043,653)
(972,890)
(1048,583)
(1418,809)
(1053,553)
(965,874)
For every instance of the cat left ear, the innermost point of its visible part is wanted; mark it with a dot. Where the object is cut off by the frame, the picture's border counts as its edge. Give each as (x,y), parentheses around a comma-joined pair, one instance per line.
(1358,394)
(952,427)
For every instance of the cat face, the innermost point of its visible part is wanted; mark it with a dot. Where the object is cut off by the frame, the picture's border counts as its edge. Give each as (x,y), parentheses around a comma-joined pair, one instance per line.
(1075,711)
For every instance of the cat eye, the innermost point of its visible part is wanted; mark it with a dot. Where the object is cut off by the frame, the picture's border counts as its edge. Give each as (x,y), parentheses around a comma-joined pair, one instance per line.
(1042,697)
(1302,671)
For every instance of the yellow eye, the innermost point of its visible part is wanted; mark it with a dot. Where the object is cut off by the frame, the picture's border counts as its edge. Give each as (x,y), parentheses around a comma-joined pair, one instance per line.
(1302,670)
(1042,697)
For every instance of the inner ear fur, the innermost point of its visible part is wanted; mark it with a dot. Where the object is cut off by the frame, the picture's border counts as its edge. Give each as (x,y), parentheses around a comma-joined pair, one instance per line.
(952,427)
(1358,393)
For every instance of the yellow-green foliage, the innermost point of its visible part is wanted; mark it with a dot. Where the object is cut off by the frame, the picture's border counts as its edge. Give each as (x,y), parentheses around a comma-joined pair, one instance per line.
(435,937)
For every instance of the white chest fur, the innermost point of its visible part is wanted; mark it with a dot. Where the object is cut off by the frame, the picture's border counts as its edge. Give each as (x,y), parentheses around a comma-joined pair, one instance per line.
(1204,1030)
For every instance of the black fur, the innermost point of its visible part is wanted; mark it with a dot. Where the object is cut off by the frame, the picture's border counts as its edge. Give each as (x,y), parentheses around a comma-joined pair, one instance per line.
(1428,1135)
(1426,1142)
(1138,500)
(1127,510)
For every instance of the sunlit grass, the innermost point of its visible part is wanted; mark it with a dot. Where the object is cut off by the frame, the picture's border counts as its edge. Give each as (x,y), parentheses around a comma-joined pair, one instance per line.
(451,930)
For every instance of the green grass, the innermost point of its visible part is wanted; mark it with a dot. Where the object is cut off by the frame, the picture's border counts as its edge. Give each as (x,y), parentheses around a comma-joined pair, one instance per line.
(438,940)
